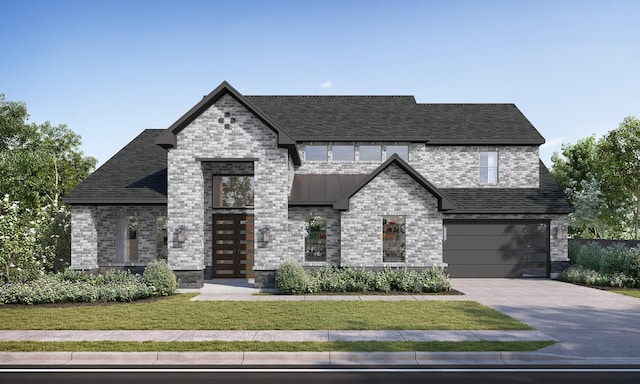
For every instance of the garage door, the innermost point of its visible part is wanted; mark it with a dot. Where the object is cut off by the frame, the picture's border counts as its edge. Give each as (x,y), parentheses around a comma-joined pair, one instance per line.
(497,248)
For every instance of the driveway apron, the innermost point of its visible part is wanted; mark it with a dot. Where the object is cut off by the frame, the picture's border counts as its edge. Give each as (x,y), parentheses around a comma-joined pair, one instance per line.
(588,322)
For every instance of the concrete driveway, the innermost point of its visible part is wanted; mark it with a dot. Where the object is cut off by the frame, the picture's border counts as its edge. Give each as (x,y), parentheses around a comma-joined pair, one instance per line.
(588,322)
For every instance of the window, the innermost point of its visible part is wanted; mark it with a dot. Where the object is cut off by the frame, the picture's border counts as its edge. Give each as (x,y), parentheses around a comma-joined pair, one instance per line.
(127,239)
(233,191)
(161,237)
(393,239)
(315,239)
(370,153)
(315,152)
(343,153)
(401,150)
(489,167)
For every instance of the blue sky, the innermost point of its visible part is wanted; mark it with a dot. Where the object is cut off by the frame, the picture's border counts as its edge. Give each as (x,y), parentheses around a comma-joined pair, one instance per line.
(110,69)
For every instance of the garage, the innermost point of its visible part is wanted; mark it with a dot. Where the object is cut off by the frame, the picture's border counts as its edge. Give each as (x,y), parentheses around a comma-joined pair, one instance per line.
(513,248)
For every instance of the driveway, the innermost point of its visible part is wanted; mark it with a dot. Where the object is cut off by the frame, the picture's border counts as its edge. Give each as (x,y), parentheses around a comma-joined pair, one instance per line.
(588,322)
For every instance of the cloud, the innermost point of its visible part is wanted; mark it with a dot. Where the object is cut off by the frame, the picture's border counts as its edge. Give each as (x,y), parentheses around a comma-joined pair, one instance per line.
(553,142)
(326,85)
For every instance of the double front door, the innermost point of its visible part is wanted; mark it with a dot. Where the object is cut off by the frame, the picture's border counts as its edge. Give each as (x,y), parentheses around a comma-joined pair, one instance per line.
(232,246)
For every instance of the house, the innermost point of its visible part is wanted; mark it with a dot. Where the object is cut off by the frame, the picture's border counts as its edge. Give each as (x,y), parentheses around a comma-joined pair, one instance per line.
(239,184)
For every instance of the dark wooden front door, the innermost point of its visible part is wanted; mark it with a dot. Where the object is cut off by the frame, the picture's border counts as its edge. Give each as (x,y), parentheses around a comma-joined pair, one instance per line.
(232,246)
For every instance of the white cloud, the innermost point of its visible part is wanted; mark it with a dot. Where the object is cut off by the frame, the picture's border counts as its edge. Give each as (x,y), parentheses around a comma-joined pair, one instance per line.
(326,85)
(553,142)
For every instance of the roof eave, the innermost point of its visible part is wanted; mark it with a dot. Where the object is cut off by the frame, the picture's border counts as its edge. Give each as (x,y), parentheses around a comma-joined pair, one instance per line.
(115,201)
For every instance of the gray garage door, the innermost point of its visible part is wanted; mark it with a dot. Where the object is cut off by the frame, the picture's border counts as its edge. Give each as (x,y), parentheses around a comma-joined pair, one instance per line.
(497,248)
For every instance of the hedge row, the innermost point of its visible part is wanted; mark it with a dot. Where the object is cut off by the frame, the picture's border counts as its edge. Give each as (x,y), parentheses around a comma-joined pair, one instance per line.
(292,278)
(614,266)
(76,286)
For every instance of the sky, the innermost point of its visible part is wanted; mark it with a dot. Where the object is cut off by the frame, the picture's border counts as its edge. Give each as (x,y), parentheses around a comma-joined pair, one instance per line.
(109,69)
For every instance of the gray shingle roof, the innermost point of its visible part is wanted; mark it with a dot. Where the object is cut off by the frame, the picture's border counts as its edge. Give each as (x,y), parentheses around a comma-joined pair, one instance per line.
(349,118)
(137,174)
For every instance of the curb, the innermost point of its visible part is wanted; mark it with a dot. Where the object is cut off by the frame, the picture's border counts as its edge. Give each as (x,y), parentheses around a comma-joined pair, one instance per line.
(294,358)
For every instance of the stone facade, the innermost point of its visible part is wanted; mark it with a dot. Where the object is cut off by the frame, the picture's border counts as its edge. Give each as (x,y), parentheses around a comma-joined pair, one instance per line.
(297,218)
(444,166)
(206,137)
(457,166)
(94,234)
(392,192)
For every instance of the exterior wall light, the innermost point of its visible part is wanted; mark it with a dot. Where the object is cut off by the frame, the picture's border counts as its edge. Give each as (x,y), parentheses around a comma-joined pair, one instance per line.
(264,234)
(182,234)
(560,232)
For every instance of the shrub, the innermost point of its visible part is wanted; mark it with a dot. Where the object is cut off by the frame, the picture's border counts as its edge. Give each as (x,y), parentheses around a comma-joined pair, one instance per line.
(435,280)
(291,278)
(631,265)
(613,259)
(590,255)
(159,275)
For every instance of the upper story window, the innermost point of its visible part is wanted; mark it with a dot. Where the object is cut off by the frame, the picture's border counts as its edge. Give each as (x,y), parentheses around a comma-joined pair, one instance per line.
(488,167)
(315,153)
(370,153)
(401,150)
(233,191)
(343,153)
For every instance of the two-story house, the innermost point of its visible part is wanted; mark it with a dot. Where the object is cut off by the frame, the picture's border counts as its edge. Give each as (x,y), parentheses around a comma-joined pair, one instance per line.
(239,184)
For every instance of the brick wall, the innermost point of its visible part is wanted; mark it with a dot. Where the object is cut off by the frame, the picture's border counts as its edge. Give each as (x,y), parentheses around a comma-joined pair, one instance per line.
(297,218)
(392,192)
(206,137)
(94,234)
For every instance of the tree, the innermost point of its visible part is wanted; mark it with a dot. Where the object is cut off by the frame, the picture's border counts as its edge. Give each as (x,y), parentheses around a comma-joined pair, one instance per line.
(620,151)
(576,163)
(590,219)
(39,163)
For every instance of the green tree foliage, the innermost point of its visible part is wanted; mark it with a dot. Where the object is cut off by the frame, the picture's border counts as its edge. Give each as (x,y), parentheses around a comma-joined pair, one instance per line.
(619,152)
(601,178)
(39,163)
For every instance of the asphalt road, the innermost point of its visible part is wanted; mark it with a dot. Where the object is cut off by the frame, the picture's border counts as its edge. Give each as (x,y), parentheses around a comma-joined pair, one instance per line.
(405,375)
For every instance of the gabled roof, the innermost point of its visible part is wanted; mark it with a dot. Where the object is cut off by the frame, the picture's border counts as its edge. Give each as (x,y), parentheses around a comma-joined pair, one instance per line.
(168,138)
(137,174)
(549,198)
(443,201)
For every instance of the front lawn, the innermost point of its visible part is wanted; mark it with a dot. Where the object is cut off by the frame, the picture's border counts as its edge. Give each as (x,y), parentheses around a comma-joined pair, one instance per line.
(177,312)
(273,346)
(628,292)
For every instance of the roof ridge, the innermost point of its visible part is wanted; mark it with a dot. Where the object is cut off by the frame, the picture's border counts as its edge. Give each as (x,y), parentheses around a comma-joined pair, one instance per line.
(372,96)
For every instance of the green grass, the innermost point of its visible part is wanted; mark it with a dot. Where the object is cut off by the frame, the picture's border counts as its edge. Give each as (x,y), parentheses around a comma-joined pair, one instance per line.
(252,346)
(177,312)
(628,292)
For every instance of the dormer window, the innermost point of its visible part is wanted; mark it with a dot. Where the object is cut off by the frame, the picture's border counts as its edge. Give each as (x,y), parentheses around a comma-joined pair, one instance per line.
(488,167)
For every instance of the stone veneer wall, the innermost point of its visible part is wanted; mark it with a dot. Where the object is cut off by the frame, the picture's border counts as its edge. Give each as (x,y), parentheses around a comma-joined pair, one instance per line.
(559,248)
(392,192)
(444,166)
(94,237)
(206,137)
(458,166)
(84,237)
(297,218)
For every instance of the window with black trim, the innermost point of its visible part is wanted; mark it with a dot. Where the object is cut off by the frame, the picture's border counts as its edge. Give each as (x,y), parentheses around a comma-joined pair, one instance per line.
(315,153)
(343,153)
(370,152)
(315,238)
(488,167)
(235,191)
(393,239)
